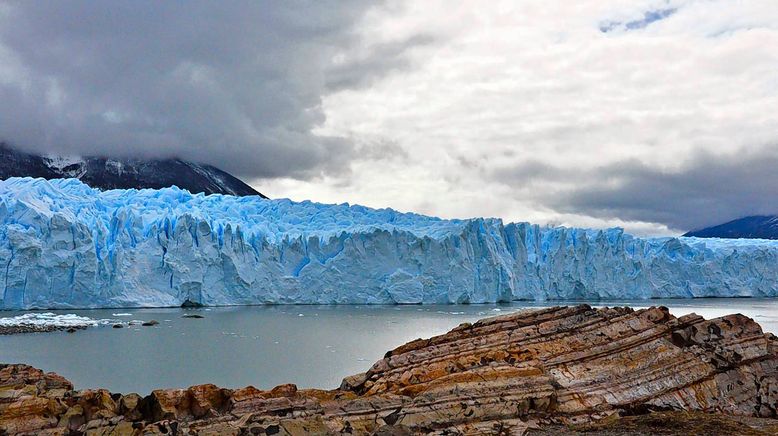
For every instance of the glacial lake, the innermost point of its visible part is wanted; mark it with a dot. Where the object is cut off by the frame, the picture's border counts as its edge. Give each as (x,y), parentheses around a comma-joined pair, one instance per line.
(263,346)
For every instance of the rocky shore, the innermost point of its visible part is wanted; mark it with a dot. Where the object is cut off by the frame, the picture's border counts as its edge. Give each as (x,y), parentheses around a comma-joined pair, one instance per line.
(42,322)
(561,370)
(18,329)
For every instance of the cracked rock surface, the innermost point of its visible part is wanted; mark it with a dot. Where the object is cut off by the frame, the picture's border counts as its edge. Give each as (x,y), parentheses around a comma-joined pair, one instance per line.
(561,370)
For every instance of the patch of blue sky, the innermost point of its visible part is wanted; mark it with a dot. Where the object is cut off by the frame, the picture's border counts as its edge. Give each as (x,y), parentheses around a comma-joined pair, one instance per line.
(648,18)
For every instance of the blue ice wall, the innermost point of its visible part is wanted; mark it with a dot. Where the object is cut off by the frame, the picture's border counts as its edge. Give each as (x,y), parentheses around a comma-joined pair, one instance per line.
(65,245)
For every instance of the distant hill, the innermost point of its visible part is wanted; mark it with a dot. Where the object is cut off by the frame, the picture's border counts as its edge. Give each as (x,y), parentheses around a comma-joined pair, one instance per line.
(104,173)
(756,227)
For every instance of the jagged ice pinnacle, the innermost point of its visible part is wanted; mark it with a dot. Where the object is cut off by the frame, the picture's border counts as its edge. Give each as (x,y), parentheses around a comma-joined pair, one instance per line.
(66,245)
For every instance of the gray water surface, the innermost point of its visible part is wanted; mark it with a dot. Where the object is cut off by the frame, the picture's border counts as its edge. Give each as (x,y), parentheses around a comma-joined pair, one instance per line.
(263,346)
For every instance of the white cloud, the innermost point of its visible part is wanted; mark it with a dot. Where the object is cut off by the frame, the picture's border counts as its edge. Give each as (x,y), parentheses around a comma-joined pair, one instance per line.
(507,84)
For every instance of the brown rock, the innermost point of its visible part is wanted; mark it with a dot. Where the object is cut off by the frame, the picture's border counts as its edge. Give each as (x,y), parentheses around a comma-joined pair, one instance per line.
(27,414)
(530,372)
(73,418)
(19,376)
(96,404)
(170,404)
(129,407)
(354,382)
(207,400)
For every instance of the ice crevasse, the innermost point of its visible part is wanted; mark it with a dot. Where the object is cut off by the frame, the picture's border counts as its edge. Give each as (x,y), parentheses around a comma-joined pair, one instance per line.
(66,245)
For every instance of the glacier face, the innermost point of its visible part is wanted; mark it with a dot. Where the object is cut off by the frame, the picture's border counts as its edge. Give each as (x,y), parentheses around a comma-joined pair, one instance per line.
(65,245)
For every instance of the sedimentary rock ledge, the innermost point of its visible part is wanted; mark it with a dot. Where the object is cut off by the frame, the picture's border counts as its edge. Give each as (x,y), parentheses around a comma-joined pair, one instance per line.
(573,370)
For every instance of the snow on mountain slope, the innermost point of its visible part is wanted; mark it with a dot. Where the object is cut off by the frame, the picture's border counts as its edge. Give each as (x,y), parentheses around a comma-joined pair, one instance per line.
(66,245)
(103,173)
(759,226)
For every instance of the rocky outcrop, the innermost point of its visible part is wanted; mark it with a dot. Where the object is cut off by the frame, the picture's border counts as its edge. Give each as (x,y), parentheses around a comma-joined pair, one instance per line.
(566,369)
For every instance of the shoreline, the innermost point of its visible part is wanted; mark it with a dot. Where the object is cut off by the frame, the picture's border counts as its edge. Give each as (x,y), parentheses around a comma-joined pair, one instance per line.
(22,329)
(422,304)
(569,369)
(91,317)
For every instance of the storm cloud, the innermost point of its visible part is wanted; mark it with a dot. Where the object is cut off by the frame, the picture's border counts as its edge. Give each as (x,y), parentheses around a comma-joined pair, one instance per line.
(707,189)
(234,84)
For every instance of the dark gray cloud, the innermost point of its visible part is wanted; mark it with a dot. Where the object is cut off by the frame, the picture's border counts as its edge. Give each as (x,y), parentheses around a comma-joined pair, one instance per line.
(374,62)
(707,189)
(234,84)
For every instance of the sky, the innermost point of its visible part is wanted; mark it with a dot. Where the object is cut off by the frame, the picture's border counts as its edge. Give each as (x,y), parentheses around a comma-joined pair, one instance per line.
(658,116)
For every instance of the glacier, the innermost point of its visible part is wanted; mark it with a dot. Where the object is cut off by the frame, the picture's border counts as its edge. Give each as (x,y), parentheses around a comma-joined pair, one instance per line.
(66,245)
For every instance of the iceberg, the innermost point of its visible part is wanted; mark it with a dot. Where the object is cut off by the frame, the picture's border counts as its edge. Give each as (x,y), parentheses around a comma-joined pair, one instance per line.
(66,245)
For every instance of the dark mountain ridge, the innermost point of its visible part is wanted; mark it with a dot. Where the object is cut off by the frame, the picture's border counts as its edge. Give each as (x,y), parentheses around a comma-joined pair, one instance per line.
(108,173)
(754,227)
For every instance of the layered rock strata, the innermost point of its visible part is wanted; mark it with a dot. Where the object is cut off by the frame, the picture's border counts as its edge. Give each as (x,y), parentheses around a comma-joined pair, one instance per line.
(525,372)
